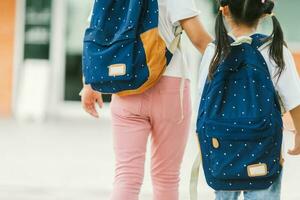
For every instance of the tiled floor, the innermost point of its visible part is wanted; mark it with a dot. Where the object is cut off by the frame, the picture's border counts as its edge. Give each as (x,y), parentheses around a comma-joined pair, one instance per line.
(73,160)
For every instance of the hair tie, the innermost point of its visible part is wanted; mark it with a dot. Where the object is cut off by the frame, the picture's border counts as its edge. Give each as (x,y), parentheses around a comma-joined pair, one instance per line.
(272,14)
(263,1)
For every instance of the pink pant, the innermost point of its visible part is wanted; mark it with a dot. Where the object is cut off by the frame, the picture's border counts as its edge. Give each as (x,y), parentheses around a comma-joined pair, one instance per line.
(157,112)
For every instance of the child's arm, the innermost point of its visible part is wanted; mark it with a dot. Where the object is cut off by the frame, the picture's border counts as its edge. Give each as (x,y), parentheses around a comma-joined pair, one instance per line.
(295,113)
(196,33)
(288,88)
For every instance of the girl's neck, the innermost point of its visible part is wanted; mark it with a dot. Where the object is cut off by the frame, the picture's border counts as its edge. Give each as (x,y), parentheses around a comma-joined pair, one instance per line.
(242,30)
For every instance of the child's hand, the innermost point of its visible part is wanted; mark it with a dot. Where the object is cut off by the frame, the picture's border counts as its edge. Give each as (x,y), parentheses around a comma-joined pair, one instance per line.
(295,114)
(89,98)
(296,150)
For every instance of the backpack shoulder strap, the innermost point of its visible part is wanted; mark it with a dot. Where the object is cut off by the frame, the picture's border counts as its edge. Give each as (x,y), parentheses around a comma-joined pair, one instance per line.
(255,41)
(195,177)
(176,41)
(258,40)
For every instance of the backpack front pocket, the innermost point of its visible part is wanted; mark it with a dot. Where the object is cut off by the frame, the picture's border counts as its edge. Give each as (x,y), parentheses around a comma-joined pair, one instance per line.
(247,149)
(110,59)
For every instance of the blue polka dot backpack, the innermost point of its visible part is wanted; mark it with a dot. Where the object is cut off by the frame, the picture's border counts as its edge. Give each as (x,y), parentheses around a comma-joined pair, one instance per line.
(123,51)
(239,123)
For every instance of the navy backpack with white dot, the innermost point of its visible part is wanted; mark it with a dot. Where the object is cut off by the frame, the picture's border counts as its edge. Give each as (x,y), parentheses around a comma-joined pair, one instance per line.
(123,51)
(239,122)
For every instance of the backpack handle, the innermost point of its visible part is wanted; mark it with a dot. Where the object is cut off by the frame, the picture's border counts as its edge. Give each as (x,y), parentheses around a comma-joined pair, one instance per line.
(241,40)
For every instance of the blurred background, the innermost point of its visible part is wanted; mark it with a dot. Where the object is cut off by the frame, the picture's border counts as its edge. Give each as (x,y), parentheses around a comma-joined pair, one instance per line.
(49,148)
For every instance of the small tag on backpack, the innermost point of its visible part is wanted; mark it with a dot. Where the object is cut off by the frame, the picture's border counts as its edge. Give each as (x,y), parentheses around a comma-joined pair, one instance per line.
(215,143)
(257,170)
(117,70)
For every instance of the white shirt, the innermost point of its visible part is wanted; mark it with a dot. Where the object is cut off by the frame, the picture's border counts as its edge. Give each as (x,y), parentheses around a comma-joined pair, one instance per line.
(170,13)
(288,84)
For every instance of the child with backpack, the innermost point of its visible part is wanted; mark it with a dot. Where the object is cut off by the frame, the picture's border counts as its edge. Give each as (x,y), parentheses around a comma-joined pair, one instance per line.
(131,51)
(247,77)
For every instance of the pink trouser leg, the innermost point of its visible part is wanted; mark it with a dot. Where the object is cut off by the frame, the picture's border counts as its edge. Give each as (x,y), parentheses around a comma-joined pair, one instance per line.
(167,154)
(130,134)
(157,112)
(169,138)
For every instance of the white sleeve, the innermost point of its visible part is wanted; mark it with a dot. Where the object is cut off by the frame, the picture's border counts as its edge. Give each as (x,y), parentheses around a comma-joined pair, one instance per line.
(181,9)
(204,67)
(288,84)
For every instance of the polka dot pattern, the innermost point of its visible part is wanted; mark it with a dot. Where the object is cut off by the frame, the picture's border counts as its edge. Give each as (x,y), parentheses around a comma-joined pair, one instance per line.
(240,109)
(114,37)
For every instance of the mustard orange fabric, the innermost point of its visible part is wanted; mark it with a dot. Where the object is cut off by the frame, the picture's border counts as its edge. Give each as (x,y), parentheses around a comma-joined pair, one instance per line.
(155,49)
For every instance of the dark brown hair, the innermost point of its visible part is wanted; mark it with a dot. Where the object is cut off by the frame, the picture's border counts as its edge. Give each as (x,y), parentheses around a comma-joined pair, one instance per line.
(247,12)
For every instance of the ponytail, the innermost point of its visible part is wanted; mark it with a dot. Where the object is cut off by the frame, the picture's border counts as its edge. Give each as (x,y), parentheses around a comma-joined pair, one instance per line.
(247,12)
(277,44)
(222,44)
(276,38)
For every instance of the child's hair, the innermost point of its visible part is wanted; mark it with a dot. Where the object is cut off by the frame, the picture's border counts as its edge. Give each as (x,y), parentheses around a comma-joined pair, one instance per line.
(248,12)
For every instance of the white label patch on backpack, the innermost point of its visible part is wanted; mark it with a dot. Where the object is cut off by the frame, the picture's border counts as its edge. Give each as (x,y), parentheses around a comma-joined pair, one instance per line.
(117,70)
(257,170)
